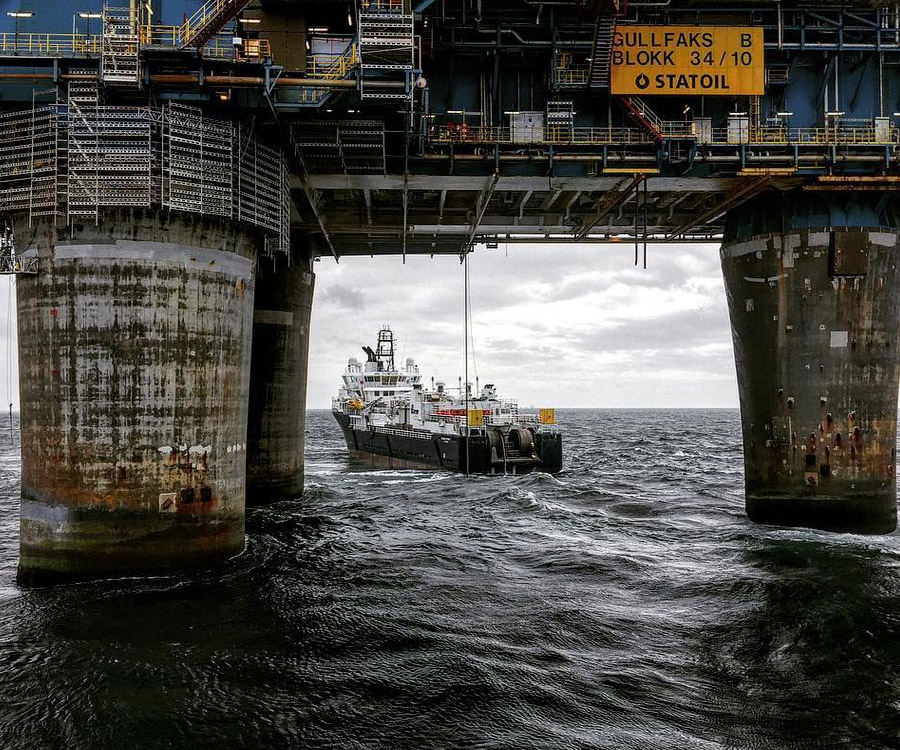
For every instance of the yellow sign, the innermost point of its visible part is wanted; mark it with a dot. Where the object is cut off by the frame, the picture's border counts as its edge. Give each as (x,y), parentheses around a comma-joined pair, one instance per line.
(476,417)
(547,416)
(706,60)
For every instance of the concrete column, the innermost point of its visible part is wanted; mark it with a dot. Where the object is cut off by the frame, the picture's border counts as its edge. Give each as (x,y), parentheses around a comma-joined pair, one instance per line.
(134,369)
(812,284)
(277,426)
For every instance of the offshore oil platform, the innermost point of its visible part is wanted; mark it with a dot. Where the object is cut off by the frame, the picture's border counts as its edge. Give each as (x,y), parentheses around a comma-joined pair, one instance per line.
(169,174)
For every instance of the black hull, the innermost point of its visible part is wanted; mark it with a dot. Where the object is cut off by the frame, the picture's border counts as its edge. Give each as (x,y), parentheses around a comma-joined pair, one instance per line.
(448,452)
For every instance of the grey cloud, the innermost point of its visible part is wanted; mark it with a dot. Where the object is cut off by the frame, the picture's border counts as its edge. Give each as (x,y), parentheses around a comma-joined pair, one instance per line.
(344,297)
(569,325)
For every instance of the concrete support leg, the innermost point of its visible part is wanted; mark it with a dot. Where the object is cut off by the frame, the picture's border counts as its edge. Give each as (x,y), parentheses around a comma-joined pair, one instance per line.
(277,427)
(134,367)
(813,294)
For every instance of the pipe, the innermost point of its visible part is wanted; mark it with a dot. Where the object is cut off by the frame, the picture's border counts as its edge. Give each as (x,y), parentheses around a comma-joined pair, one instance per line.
(26,76)
(516,34)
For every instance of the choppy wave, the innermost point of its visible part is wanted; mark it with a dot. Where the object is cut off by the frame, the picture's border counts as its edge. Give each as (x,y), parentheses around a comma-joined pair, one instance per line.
(625,603)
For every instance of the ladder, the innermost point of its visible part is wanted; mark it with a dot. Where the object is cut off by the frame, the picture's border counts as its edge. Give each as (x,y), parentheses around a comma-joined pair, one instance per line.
(208,20)
(82,179)
(119,61)
(755,117)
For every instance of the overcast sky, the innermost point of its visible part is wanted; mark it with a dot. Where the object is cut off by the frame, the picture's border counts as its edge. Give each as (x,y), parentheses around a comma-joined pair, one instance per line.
(564,326)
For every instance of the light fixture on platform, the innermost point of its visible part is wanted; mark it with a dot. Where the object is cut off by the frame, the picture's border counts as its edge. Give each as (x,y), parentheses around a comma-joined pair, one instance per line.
(17,14)
(87,15)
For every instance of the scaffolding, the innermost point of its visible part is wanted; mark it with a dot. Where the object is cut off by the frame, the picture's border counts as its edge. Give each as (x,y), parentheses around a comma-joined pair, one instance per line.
(341,146)
(119,56)
(560,119)
(28,160)
(109,154)
(12,263)
(262,193)
(387,50)
(197,161)
(76,159)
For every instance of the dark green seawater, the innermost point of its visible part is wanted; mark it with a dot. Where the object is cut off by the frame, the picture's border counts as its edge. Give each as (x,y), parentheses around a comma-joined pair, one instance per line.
(627,603)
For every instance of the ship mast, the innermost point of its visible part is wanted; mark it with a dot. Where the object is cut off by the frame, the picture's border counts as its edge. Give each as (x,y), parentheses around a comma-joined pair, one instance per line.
(384,354)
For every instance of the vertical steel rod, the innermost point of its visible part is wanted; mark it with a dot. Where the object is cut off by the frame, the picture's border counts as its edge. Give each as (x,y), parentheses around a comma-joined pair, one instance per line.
(466,347)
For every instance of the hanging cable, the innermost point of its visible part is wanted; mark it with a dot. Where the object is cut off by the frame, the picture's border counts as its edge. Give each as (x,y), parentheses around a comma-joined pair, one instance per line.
(646,221)
(637,219)
(9,293)
(466,348)
(471,321)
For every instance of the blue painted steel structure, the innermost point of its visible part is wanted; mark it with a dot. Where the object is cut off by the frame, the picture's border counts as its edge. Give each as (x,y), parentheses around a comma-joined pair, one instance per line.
(402,119)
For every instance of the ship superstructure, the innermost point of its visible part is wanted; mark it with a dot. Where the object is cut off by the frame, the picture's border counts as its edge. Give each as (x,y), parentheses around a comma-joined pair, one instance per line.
(388,416)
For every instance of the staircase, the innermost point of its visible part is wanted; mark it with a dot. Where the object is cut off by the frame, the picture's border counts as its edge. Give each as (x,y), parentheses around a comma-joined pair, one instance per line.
(598,74)
(209,19)
(640,113)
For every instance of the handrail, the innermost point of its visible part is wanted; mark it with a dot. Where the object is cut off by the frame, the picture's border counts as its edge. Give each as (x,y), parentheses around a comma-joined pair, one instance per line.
(51,45)
(572,76)
(200,18)
(332,67)
(57,45)
(382,6)
(766,135)
(648,114)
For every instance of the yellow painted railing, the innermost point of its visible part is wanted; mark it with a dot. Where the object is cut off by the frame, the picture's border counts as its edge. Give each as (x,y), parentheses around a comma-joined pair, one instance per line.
(382,6)
(332,67)
(50,45)
(569,72)
(867,136)
(201,17)
(161,36)
(572,77)
(841,136)
(60,45)
(461,133)
(251,49)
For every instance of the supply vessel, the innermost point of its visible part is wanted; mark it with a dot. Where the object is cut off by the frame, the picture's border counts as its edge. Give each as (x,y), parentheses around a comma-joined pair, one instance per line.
(390,418)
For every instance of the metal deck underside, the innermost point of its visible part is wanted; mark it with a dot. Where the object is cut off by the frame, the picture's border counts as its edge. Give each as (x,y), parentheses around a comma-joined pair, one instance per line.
(446,214)
(401,141)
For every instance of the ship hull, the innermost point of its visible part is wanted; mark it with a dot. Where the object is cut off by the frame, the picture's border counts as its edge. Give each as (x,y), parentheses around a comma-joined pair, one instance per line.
(446,452)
